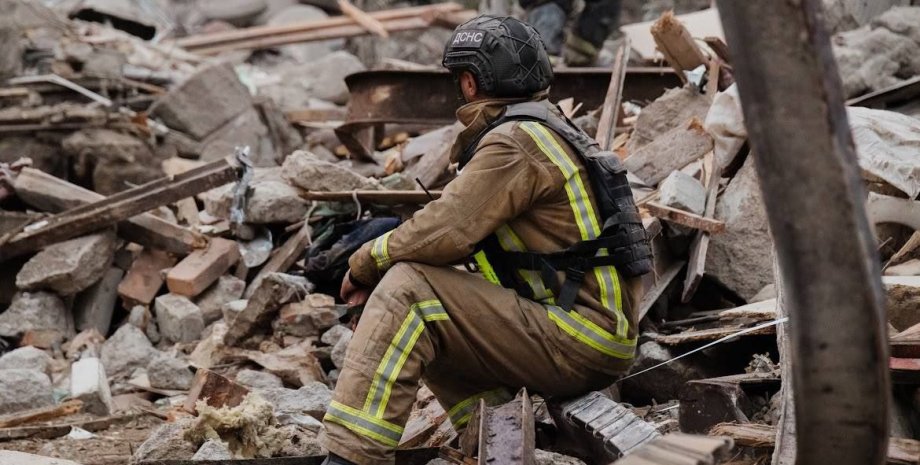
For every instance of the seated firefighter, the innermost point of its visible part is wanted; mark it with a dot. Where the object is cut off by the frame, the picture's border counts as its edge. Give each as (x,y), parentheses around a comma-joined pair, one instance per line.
(553,308)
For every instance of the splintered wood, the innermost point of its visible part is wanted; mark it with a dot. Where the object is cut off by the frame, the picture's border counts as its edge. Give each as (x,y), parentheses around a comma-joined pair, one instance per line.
(677,45)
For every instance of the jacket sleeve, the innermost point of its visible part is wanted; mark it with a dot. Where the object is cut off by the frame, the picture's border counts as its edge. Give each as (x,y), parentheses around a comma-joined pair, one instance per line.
(501,181)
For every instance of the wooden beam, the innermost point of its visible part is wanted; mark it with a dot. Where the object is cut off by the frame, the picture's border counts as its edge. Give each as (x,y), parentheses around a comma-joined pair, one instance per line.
(699,248)
(202,267)
(677,45)
(652,295)
(365,20)
(45,192)
(94,216)
(42,414)
(378,197)
(607,124)
(685,218)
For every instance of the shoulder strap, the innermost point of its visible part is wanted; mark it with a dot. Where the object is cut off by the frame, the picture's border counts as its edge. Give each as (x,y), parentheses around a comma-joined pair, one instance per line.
(539,112)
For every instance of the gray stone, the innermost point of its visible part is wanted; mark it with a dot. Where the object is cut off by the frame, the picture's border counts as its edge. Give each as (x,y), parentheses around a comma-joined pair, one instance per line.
(741,257)
(311,399)
(551,458)
(28,358)
(340,349)
(682,191)
(309,317)
(768,292)
(240,13)
(115,160)
(126,350)
(327,82)
(9,457)
(94,307)
(227,289)
(23,389)
(273,7)
(244,129)
(231,309)
(871,59)
(306,52)
(89,383)
(179,320)
(167,442)
(213,449)
(843,15)
(332,336)
(71,266)
(303,442)
(268,296)
(667,381)
(673,109)
(258,379)
(141,317)
(271,200)
(167,372)
(306,171)
(36,311)
(203,103)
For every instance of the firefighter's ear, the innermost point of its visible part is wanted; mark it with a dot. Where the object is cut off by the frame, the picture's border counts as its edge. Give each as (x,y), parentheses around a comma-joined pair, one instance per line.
(468,87)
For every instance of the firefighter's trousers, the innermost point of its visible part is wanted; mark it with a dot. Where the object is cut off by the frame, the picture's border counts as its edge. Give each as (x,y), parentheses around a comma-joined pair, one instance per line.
(467,339)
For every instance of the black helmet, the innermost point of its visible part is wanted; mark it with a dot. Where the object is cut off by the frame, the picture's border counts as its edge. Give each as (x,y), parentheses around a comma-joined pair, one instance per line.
(506,55)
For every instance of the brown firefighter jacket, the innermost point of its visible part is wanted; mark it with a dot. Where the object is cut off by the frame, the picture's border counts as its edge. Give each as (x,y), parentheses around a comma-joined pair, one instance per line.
(526,185)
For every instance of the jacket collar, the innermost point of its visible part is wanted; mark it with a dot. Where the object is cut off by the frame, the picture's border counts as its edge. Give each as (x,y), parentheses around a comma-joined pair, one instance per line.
(477,116)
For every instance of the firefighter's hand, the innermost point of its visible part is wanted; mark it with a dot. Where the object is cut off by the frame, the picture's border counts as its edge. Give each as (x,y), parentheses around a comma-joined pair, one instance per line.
(354,294)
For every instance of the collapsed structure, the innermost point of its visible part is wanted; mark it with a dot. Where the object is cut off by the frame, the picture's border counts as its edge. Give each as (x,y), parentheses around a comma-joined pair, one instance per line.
(177,215)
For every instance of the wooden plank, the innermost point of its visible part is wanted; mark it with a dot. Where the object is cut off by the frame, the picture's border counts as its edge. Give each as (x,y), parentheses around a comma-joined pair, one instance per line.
(202,267)
(143,280)
(685,218)
(42,414)
(365,20)
(312,115)
(607,124)
(94,216)
(378,197)
(652,295)
(699,248)
(56,431)
(48,193)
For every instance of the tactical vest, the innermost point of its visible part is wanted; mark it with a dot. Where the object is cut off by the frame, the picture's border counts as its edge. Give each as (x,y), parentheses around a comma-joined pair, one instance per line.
(622,243)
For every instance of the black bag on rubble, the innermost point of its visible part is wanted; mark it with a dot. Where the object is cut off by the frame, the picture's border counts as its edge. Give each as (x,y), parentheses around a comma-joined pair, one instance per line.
(326,260)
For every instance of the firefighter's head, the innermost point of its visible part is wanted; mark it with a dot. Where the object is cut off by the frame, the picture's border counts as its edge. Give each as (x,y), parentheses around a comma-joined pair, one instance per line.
(497,57)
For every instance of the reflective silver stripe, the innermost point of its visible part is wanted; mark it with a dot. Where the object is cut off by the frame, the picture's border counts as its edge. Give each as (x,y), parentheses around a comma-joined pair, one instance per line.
(430,310)
(589,333)
(510,241)
(380,251)
(381,431)
(584,217)
(392,362)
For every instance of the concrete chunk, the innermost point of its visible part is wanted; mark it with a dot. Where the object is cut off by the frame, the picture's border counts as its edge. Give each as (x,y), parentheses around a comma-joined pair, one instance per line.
(179,320)
(271,199)
(311,399)
(24,389)
(741,257)
(88,383)
(308,317)
(673,109)
(126,350)
(306,171)
(340,349)
(682,191)
(36,311)
(227,289)
(204,102)
(167,442)
(258,379)
(69,267)
(213,449)
(94,307)
(28,358)
(666,384)
(167,372)
(9,457)
(275,290)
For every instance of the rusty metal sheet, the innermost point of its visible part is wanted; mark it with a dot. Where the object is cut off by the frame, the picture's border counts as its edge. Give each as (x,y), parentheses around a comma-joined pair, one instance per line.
(506,433)
(430,97)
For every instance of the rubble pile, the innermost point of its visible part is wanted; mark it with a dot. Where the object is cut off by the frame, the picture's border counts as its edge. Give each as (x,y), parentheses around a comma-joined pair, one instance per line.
(193,314)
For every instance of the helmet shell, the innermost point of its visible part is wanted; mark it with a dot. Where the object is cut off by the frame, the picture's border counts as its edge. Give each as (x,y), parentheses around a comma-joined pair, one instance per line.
(506,55)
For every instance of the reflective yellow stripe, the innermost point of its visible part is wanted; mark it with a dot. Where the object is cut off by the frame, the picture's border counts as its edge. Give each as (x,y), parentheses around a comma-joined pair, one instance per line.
(512,243)
(380,251)
(486,268)
(585,217)
(398,352)
(361,423)
(460,414)
(590,334)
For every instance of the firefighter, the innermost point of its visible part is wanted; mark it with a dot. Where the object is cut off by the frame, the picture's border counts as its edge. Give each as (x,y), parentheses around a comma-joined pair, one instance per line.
(591,28)
(522,191)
